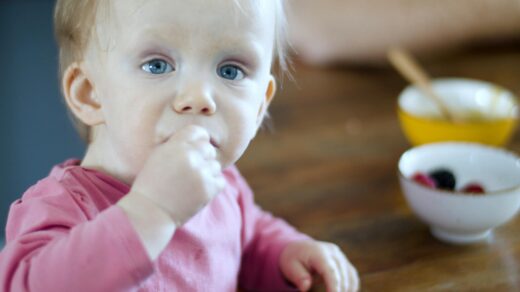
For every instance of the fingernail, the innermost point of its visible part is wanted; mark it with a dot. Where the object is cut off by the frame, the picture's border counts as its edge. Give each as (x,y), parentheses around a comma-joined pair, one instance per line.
(305,284)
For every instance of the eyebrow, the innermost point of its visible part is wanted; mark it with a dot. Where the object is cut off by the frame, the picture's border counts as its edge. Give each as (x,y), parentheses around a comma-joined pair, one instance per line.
(251,54)
(151,35)
(245,49)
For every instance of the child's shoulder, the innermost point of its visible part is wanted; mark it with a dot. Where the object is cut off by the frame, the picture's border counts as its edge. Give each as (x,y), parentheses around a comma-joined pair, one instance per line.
(71,179)
(54,183)
(47,202)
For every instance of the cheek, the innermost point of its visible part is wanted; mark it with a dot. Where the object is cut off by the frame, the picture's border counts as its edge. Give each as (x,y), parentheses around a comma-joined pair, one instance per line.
(241,127)
(246,119)
(132,141)
(131,104)
(131,122)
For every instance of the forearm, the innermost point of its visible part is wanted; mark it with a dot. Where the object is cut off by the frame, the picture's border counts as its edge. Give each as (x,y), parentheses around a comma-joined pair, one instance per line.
(98,255)
(360,31)
(153,225)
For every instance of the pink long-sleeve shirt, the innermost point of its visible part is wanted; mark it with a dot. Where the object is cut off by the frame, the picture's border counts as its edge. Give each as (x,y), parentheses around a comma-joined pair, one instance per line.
(67,234)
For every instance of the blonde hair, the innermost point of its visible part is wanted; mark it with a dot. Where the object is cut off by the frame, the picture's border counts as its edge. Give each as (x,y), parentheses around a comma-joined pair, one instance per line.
(74,21)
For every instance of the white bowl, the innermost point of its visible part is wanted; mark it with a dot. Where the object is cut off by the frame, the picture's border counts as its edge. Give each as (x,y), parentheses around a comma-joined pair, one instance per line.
(457,217)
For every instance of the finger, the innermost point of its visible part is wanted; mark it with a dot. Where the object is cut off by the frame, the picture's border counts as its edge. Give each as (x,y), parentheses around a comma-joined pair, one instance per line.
(215,168)
(341,260)
(325,267)
(207,151)
(213,174)
(220,183)
(353,278)
(299,275)
(342,273)
(343,267)
(348,270)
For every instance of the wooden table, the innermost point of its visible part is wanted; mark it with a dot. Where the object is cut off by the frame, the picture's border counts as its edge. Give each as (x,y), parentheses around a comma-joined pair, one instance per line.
(329,168)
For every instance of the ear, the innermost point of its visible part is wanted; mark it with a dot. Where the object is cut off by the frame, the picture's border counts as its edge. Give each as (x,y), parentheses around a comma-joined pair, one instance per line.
(269,95)
(80,95)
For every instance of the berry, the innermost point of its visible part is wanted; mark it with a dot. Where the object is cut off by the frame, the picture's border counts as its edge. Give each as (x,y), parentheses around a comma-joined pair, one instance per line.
(444,179)
(423,179)
(473,188)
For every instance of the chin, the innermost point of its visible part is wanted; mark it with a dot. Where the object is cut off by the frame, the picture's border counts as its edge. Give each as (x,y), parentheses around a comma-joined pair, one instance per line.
(232,158)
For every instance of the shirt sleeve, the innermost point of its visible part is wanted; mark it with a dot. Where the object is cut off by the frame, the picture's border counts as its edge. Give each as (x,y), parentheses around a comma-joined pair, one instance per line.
(263,239)
(53,245)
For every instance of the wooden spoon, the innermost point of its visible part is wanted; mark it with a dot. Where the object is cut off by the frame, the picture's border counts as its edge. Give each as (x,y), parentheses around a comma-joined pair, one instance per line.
(412,71)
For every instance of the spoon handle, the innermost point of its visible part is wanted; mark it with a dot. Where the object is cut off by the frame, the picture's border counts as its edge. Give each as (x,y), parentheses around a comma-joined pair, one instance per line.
(412,71)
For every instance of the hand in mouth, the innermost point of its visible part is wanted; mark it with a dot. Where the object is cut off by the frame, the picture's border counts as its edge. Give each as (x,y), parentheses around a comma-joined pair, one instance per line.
(212,141)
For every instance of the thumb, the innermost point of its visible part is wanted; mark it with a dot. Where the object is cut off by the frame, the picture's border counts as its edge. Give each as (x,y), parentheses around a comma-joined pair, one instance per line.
(298,275)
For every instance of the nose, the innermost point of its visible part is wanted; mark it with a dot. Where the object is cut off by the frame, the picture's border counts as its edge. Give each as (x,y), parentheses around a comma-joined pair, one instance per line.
(194,103)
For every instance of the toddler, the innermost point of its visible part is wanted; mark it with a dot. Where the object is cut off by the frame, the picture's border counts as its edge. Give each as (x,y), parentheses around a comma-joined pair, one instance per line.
(168,94)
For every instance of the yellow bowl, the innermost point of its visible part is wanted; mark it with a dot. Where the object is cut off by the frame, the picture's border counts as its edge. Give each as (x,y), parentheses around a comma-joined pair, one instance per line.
(486,113)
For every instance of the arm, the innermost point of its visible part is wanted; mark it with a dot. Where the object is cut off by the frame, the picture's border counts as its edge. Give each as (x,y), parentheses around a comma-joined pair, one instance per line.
(275,254)
(153,209)
(263,239)
(153,225)
(54,243)
(111,250)
(361,31)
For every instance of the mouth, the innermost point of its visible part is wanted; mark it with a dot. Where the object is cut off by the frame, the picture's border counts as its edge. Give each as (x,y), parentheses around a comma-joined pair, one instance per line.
(212,141)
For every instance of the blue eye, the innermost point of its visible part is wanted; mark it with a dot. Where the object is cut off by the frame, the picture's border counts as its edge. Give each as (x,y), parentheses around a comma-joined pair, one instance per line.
(231,72)
(157,66)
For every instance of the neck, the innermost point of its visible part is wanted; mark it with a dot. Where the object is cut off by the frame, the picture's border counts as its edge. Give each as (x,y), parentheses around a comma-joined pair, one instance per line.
(99,157)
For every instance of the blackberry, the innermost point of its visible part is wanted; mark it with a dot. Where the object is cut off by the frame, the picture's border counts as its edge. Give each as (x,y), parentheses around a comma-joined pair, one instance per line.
(444,178)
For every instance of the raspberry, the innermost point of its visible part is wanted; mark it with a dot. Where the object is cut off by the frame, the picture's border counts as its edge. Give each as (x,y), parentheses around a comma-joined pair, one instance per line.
(423,179)
(473,188)
(444,179)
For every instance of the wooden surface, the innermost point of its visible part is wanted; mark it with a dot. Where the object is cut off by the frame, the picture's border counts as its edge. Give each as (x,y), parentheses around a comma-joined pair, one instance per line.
(329,168)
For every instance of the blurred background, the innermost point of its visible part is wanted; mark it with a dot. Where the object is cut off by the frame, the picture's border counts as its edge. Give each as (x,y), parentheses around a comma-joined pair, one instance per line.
(36,132)
(329,165)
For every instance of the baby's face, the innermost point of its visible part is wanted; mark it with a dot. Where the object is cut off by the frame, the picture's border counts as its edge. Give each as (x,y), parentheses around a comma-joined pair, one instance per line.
(162,65)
